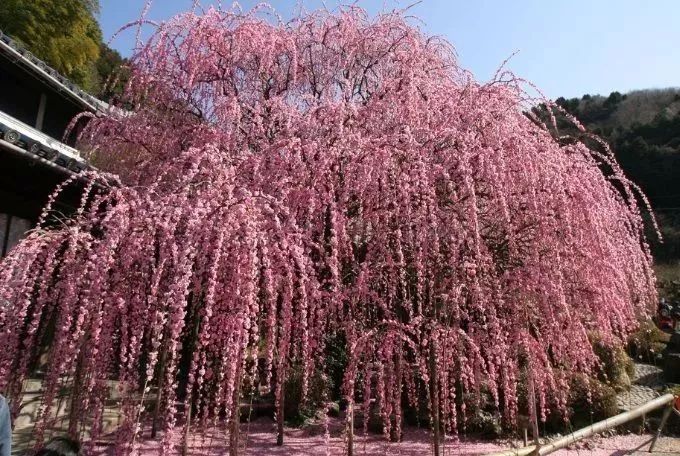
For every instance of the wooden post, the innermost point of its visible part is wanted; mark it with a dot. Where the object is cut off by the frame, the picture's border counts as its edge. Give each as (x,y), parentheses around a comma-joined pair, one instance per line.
(395,432)
(236,418)
(350,428)
(664,418)
(159,392)
(190,393)
(533,413)
(185,446)
(75,398)
(280,417)
(434,400)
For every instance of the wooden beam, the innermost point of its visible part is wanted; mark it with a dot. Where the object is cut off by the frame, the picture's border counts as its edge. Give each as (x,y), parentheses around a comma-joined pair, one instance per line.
(597,428)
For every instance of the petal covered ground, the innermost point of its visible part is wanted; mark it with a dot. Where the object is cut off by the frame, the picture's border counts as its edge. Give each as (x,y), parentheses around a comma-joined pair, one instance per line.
(259,438)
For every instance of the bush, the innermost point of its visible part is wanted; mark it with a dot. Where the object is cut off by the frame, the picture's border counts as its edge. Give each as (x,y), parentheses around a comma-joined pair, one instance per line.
(584,410)
(616,367)
(296,410)
(485,424)
(647,343)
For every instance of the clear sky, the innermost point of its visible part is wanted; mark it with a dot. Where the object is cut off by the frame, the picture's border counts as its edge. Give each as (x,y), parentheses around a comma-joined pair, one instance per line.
(566,48)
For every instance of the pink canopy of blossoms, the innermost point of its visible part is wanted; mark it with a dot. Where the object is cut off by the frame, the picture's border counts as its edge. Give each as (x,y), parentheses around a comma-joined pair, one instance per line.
(334,174)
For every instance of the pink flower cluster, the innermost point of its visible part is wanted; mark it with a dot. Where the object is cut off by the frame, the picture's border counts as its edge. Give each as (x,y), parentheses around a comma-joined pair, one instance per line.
(336,173)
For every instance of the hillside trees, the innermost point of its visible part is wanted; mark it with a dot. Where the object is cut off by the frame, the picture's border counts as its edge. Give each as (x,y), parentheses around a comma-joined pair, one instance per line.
(643,130)
(66,35)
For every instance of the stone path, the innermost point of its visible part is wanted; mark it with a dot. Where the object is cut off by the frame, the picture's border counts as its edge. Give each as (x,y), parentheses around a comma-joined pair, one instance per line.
(646,384)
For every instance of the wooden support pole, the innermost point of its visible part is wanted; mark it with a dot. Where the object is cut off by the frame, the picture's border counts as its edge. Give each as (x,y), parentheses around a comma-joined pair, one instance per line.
(600,426)
(664,418)
(236,415)
(280,415)
(533,415)
(350,428)
(187,433)
(159,392)
(76,389)
(395,428)
(434,400)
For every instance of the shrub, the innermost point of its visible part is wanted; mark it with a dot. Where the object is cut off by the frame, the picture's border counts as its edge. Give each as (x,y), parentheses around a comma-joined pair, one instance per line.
(616,367)
(590,400)
(647,343)
(296,411)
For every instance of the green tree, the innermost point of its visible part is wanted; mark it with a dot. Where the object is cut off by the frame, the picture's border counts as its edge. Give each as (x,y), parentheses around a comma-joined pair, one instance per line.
(112,74)
(64,33)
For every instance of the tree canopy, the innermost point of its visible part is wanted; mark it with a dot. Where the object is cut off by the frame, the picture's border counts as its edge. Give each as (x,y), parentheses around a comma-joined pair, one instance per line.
(337,174)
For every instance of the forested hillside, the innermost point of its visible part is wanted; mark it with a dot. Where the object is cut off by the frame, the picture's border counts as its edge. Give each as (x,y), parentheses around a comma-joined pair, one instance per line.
(643,129)
(66,35)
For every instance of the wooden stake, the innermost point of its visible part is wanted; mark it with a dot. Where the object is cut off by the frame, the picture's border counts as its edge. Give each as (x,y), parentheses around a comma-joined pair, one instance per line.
(236,419)
(664,418)
(280,415)
(350,428)
(159,392)
(185,446)
(533,414)
(434,400)
(395,432)
(75,396)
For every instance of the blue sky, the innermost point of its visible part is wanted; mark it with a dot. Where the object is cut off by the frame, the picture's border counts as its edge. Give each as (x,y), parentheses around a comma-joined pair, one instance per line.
(566,48)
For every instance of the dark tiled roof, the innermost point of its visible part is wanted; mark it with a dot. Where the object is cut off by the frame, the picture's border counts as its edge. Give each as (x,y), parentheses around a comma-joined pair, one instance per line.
(21,56)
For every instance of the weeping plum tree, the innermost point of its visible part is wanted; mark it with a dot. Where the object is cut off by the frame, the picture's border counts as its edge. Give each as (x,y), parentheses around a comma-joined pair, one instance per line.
(336,173)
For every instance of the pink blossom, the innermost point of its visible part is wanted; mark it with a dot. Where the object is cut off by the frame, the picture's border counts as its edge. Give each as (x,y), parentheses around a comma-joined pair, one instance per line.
(337,173)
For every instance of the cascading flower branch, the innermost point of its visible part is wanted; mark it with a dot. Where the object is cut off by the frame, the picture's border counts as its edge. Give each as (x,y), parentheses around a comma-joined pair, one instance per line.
(336,173)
